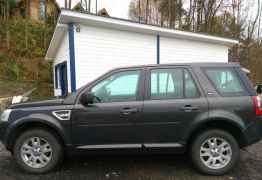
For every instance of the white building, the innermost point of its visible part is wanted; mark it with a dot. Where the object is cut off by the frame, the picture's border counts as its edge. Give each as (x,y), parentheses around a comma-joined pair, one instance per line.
(85,46)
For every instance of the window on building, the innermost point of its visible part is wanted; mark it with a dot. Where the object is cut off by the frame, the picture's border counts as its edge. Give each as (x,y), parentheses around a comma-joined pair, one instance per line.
(23,12)
(42,9)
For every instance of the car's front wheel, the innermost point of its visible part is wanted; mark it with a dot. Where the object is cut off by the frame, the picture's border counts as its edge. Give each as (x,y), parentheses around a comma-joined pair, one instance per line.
(214,152)
(37,151)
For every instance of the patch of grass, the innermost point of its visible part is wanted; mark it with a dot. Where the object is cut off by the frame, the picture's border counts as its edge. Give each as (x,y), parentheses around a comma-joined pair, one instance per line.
(13,88)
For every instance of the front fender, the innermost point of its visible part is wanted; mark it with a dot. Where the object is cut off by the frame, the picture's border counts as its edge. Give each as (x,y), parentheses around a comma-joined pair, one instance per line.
(44,119)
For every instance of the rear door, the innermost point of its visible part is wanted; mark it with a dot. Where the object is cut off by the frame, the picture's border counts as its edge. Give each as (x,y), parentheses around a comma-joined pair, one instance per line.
(173,99)
(228,95)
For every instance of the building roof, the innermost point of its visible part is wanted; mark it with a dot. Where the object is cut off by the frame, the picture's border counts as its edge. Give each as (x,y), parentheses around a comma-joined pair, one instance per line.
(69,16)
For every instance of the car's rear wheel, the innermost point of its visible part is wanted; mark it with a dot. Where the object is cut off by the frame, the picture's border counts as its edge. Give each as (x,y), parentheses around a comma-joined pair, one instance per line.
(37,151)
(214,152)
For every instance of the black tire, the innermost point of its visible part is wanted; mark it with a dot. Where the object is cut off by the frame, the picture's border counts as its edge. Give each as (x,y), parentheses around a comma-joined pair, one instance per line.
(201,138)
(57,150)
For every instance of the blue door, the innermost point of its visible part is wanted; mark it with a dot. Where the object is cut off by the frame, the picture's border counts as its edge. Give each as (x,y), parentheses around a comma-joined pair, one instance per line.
(61,78)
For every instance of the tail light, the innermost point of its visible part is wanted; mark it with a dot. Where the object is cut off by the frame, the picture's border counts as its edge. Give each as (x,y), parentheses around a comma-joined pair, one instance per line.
(257,105)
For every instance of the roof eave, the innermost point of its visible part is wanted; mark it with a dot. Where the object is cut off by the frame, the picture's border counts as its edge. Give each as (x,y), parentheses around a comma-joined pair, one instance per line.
(69,16)
(56,39)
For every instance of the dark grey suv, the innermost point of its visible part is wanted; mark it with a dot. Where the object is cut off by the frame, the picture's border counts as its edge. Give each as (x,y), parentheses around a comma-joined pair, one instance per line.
(208,111)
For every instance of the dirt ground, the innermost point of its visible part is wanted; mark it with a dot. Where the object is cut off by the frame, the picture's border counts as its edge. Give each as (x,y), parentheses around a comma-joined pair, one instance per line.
(135,167)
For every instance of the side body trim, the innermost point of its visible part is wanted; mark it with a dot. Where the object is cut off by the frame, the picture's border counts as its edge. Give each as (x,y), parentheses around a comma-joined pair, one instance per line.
(130,146)
(163,145)
(111,146)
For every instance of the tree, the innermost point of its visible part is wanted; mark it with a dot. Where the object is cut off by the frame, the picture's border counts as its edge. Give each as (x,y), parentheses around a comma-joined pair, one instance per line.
(161,12)
(27,6)
(89,5)
(70,2)
(252,25)
(65,4)
(7,27)
(147,10)
(229,18)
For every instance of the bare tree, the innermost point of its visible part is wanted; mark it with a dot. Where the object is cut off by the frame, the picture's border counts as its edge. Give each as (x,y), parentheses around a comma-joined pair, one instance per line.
(26,23)
(199,4)
(7,25)
(65,4)
(147,9)
(259,24)
(70,1)
(252,25)
(180,9)
(89,5)
(139,10)
(170,13)
(86,4)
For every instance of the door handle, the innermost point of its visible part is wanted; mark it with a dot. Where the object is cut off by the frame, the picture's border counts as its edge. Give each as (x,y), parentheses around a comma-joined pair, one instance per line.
(189,108)
(128,111)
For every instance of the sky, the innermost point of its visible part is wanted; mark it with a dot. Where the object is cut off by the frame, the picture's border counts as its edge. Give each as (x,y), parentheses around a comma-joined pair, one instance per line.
(115,8)
(119,8)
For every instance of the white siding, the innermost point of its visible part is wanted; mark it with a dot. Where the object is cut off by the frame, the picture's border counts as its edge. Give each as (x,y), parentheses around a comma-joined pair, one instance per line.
(184,51)
(62,55)
(98,50)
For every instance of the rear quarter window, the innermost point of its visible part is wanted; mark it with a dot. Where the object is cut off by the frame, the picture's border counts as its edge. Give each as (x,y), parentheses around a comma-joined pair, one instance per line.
(226,81)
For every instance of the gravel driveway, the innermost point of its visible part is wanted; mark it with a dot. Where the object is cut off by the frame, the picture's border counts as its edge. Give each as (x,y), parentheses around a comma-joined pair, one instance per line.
(135,167)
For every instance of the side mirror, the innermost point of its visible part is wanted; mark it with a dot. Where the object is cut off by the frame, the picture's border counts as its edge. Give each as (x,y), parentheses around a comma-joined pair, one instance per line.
(87,98)
(259,89)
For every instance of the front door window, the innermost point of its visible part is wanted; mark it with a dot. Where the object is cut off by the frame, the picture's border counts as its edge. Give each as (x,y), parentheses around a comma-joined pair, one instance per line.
(122,86)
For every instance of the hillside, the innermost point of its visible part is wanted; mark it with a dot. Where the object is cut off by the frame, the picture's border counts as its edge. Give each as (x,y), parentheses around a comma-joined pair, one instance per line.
(22,64)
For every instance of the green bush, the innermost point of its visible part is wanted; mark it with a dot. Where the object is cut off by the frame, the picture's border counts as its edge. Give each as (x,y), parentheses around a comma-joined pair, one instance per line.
(11,70)
(39,52)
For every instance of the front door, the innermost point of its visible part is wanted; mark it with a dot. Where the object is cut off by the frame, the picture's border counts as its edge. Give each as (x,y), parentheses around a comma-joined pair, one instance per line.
(63,79)
(173,100)
(109,122)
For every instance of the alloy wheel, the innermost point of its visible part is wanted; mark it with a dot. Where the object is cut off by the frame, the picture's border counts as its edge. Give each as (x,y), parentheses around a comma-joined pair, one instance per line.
(36,152)
(215,153)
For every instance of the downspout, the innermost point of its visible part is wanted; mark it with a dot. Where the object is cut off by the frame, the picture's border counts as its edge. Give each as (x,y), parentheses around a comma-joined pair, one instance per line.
(158,49)
(72,56)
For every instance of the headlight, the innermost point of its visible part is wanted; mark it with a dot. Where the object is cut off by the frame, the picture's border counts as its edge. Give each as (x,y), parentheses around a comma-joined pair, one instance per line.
(5,115)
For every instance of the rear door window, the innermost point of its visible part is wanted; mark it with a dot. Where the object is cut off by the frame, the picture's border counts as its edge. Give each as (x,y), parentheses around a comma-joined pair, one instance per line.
(225,80)
(167,83)
(170,83)
(191,90)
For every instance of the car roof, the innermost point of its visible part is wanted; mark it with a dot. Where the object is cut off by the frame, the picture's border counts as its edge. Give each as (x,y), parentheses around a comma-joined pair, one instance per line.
(180,64)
